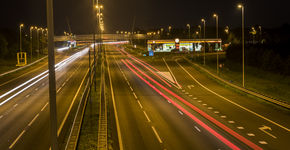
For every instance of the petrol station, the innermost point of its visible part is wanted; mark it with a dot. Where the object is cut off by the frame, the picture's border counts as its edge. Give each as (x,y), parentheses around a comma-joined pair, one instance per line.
(184,45)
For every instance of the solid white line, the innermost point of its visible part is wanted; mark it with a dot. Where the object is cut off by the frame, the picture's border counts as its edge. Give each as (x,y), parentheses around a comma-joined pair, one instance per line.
(19,136)
(135,95)
(236,104)
(197,128)
(44,107)
(156,134)
(146,116)
(139,104)
(114,106)
(171,73)
(31,122)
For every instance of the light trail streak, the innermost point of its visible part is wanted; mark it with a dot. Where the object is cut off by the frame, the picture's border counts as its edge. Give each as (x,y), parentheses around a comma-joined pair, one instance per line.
(41,76)
(233,133)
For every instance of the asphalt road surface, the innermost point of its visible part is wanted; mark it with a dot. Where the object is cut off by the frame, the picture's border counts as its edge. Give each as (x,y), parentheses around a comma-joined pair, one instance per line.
(24,111)
(168,104)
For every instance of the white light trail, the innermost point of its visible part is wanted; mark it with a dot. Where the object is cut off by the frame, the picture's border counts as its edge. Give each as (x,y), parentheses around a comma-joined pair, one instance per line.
(43,74)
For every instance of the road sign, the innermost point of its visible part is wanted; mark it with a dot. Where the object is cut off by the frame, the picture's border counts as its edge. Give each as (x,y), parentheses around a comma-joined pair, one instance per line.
(151,53)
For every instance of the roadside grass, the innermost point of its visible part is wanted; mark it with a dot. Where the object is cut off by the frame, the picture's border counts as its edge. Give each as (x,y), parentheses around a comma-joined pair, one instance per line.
(263,82)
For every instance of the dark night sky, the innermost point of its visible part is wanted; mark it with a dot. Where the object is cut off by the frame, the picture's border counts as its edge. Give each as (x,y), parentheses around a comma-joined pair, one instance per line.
(119,14)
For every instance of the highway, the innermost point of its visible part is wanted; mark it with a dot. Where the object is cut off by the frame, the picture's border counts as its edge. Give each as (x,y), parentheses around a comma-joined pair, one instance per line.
(24,109)
(165,103)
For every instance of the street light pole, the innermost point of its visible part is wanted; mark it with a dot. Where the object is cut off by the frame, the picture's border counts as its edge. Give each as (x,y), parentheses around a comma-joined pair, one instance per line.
(243,40)
(217,36)
(203,20)
(31,29)
(52,86)
(20,37)
(188,25)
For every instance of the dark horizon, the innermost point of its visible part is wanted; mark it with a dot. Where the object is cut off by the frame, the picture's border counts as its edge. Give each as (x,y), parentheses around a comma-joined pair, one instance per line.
(119,15)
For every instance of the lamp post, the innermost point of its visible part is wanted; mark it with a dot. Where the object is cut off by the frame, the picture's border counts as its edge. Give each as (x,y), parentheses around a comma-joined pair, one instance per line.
(38,38)
(188,25)
(217,36)
(243,40)
(203,20)
(20,37)
(199,26)
(31,29)
(169,30)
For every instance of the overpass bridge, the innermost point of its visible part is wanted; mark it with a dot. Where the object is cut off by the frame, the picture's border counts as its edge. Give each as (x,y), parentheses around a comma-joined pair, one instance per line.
(89,37)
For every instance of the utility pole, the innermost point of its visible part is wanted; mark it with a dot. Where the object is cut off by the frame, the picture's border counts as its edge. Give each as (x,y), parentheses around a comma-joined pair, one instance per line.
(52,86)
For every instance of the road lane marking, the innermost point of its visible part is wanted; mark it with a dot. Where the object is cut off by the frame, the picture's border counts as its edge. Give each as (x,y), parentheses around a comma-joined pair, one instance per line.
(44,107)
(171,73)
(210,108)
(242,107)
(1,116)
(36,89)
(216,112)
(197,128)
(194,98)
(190,95)
(114,105)
(223,116)
(15,105)
(15,141)
(183,91)
(135,95)
(180,112)
(169,102)
(131,88)
(204,104)
(231,122)
(186,93)
(27,96)
(146,116)
(43,84)
(263,142)
(267,128)
(250,134)
(31,122)
(241,128)
(156,134)
(139,104)
(199,101)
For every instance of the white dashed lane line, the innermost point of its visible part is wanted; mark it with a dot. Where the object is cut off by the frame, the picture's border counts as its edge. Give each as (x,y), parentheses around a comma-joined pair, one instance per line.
(180,112)
(251,134)
(1,116)
(27,96)
(148,119)
(241,128)
(15,105)
(156,134)
(263,142)
(140,104)
(197,128)
(44,107)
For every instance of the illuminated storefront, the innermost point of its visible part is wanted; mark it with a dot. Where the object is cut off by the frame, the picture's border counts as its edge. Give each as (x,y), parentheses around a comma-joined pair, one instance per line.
(184,45)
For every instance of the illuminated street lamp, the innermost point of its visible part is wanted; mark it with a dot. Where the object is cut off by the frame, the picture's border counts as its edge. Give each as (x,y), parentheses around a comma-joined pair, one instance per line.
(169,29)
(243,40)
(99,6)
(199,26)
(188,25)
(217,36)
(203,20)
(20,37)
(31,29)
